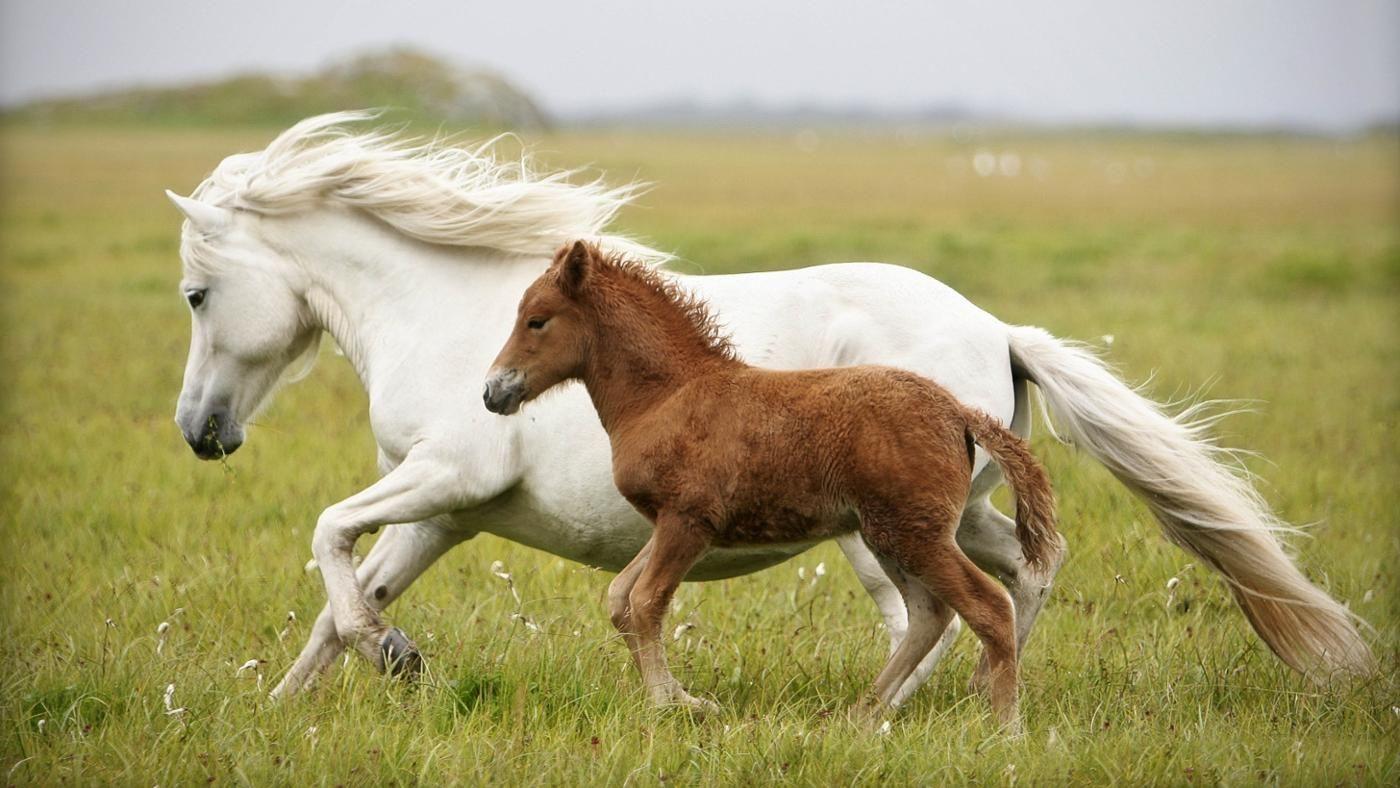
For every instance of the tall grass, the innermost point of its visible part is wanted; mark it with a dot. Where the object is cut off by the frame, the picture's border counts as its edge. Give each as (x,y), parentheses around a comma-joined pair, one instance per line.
(1267,268)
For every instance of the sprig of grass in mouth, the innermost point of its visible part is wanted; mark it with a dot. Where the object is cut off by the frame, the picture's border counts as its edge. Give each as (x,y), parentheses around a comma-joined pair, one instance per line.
(211,431)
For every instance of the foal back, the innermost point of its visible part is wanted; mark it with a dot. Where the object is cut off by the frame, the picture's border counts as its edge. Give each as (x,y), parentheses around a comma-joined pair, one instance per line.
(764,456)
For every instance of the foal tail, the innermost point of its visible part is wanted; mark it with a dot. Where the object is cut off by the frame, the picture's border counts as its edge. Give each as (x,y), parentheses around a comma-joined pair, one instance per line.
(1035,501)
(1204,507)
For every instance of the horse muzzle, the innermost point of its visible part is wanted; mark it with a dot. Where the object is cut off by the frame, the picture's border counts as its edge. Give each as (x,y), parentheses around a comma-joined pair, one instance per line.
(214,436)
(504,391)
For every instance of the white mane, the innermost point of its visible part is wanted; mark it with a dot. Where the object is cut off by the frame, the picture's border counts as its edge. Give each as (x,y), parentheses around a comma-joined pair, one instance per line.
(426,189)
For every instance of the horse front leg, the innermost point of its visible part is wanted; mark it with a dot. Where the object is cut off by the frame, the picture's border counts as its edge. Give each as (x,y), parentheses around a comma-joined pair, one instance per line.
(397,559)
(418,489)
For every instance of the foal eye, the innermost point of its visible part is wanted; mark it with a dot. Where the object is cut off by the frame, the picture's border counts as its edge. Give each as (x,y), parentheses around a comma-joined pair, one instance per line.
(536,322)
(195,297)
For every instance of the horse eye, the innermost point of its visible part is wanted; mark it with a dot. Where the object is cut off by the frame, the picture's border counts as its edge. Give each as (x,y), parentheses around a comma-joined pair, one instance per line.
(195,297)
(536,322)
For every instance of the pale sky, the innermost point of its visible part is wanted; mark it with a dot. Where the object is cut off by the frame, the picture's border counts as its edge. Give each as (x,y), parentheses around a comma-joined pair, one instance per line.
(1326,63)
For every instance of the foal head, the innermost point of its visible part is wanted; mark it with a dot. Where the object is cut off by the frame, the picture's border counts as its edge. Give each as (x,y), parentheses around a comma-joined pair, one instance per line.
(590,303)
(552,333)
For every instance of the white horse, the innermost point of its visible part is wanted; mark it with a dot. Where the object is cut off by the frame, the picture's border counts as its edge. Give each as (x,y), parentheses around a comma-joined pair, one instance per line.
(413,257)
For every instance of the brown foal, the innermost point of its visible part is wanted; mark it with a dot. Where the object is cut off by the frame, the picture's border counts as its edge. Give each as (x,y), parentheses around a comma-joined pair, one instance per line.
(715,452)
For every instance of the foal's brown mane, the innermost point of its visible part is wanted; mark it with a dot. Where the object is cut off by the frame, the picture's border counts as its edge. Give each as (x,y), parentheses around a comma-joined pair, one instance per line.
(620,279)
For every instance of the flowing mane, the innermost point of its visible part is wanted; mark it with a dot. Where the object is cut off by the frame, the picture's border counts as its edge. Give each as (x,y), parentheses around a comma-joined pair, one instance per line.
(623,275)
(426,189)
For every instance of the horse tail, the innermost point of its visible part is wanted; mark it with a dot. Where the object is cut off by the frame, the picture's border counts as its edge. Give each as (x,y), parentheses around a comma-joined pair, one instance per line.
(1035,500)
(1204,505)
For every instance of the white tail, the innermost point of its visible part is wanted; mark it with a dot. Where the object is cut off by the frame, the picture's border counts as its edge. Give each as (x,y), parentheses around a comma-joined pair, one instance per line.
(1204,506)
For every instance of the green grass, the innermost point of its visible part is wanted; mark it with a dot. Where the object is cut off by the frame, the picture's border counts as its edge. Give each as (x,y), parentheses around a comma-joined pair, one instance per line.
(1268,268)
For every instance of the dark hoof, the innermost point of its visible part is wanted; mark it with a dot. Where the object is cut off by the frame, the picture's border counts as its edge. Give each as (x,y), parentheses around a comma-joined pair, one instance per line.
(401,657)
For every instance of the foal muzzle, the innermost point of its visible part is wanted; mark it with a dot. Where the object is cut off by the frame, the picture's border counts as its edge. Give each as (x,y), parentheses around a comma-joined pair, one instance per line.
(504,391)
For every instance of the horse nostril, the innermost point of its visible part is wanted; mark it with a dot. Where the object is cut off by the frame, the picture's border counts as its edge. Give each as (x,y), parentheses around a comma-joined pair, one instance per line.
(486,393)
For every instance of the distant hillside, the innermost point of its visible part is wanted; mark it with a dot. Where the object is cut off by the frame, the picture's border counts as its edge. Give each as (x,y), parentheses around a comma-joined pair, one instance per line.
(407,81)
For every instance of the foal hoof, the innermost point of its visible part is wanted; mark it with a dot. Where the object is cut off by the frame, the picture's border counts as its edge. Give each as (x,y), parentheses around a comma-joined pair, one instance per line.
(400,657)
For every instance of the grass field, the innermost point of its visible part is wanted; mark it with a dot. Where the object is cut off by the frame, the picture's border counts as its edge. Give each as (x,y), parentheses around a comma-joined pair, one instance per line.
(1269,268)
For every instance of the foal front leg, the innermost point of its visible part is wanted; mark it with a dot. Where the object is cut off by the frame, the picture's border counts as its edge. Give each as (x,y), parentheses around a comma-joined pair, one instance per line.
(418,489)
(674,548)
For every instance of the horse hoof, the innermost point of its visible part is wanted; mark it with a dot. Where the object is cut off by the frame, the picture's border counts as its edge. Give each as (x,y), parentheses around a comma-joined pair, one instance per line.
(869,714)
(693,705)
(400,656)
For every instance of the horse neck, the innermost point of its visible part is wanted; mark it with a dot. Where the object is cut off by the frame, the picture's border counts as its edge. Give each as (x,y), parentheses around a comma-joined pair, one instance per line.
(389,300)
(635,362)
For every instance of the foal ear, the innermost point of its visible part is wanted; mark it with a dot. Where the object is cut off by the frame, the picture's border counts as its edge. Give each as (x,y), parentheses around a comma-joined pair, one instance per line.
(573,270)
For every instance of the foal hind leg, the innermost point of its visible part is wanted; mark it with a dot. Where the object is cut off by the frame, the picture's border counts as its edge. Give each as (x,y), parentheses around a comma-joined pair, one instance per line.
(988,537)
(928,622)
(987,609)
(889,599)
(674,549)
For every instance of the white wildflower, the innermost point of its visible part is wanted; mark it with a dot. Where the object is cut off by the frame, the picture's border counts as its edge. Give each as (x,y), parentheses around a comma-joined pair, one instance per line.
(1107,339)
(530,625)
(801,573)
(287,628)
(681,630)
(169,701)
(499,570)
(885,727)
(251,664)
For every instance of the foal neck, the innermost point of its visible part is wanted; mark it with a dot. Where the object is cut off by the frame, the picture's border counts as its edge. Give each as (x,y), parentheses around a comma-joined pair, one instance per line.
(650,338)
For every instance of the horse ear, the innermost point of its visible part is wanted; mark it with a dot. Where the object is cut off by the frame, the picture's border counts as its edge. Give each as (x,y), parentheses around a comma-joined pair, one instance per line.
(573,271)
(206,218)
